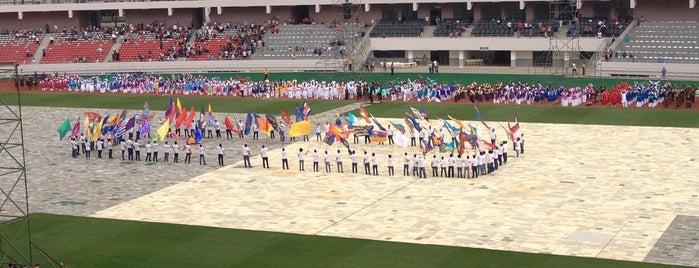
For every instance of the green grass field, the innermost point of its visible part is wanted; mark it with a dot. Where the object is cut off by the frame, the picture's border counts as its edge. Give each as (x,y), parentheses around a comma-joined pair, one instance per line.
(534,114)
(90,242)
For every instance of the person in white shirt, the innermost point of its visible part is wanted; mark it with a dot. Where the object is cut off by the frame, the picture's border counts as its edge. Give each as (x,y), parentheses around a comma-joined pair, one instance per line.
(338,160)
(389,133)
(137,149)
(367,168)
(374,164)
(315,161)
(265,158)
(74,147)
(87,149)
(285,162)
(149,152)
(504,151)
(187,153)
(176,152)
(416,169)
(390,165)
(450,163)
(354,157)
(202,155)
(318,131)
(421,166)
(255,131)
(110,147)
(166,152)
(129,149)
(459,167)
(521,143)
(327,162)
(155,151)
(99,144)
(516,146)
(435,166)
(220,154)
(406,165)
(246,156)
(493,136)
(122,144)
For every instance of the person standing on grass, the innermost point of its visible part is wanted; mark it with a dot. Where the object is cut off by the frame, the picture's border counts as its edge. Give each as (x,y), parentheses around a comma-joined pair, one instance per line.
(220,154)
(202,156)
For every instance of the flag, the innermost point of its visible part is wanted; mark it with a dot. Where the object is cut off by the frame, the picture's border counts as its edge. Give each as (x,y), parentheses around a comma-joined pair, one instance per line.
(96,131)
(210,110)
(486,125)
(306,110)
(300,128)
(146,110)
(346,144)
(398,126)
(377,136)
(230,126)
(63,129)
(112,120)
(400,139)
(329,139)
(416,112)
(286,117)
(188,121)
(299,113)
(352,121)
(264,124)
(272,121)
(248,123)
(426,146)
(364,114)
(414,122)
(170,112)
(513,129)
(423,115)
(197,134)
(144,128)
(212,119)
(179,106)
(92,116)
(457,121)
(120,131)
(180,118)
(76,128)
(448,126)
(334,130)
(436,141)
(492,146)
(130,124)
(478,113)
(162,130)
(377,123)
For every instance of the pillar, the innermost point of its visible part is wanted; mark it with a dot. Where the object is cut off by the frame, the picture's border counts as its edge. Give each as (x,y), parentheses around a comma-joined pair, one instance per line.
(513,59)
(367,7)
(566,60)
(692,3)
(632,4)
(121,12)
(469,5)
(415,6)
(410,55)
(461,59)
(169,11)
(268,9)
(317,8)
(70,14)
(522,4)
(219,10)
(20,15)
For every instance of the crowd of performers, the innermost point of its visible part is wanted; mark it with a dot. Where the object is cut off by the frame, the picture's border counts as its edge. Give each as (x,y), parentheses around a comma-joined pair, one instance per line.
(460,152)
(640,94)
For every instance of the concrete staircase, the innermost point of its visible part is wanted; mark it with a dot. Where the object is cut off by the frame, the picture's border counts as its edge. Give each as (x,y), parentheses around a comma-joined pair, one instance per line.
(44,44)
(115,47)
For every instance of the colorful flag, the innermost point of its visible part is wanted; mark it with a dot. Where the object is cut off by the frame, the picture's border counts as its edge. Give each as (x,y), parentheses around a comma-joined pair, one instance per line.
(306,111)
(264,125)
(423,114)
(188,122)
(144,128)
(162,130)
(299,113)
(197,134)
(286,117)
(63,129)
(377,123)
(130,124)
(248,123)
(334,130)
(457,121)
(363,112)
(170,112)
(96,131)
(179,106)
(513,129)
(378,136)
(398,127)
(76,128)
(416,112)
(329,139)
(414,122)
(448,126)
(426,146)
(478,113)
(92,116)
(352,121)
(180,119)
(300,128)
(492,146)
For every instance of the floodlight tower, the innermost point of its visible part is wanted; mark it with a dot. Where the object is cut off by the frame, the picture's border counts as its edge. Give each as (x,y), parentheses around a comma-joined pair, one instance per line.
(16,245)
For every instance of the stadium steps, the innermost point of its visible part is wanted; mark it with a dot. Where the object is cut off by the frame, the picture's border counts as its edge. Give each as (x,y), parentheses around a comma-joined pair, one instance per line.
(114,47)
(44,43)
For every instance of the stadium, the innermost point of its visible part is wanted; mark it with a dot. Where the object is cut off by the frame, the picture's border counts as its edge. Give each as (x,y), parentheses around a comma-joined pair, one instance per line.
(604,91)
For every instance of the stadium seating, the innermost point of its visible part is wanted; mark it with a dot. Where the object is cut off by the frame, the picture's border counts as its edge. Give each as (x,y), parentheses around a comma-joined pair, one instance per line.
(145,47)
(450,28)
(15,49)
(671,42)
(305,40)
(212,47)
(501,28)
(390,28)
(73,50)
(588,27)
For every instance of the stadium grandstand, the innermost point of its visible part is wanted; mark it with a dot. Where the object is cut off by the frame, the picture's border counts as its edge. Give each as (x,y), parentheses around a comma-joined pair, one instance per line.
(613,38)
